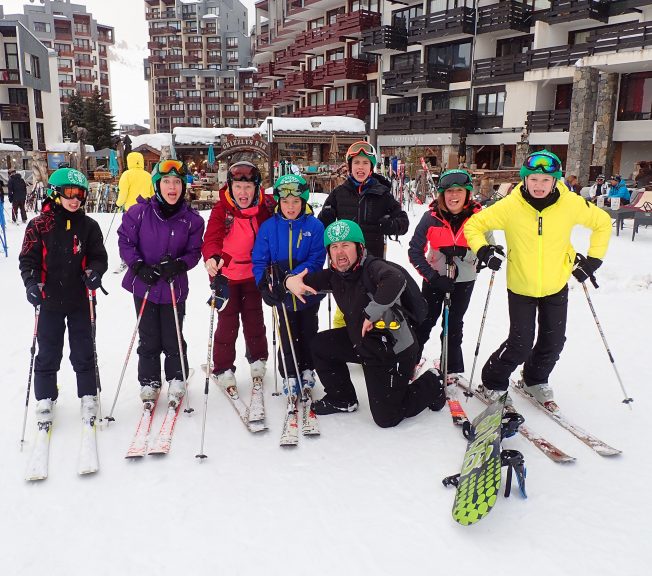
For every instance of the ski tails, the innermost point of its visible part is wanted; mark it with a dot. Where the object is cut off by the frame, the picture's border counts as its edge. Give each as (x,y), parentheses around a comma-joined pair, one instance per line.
(88,459)
(138,446)
(37,466)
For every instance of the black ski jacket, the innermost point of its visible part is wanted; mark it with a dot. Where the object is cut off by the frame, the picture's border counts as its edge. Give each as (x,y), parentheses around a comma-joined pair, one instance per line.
(17,188)
(58,247)
(367,204)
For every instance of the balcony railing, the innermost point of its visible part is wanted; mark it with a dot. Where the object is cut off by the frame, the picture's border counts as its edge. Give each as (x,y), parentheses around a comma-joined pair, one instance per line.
(150,45)
(548,121)
(231,114)
(24,143)
(65,53)
(416,76)
(166,99)
(279,96)
(288,58)
(298,81)
(573,10)
(14,112)
(442,24)
(88,49)
(357,108)
(384,39)
(83,63)
(504,69)
(347,69)
(348,25)
(266,70)
(212,45)
(509,15)
(436,121)
(9,76)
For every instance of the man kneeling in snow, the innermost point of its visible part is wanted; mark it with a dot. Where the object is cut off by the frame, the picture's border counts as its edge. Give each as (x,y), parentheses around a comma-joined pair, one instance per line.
(377,335)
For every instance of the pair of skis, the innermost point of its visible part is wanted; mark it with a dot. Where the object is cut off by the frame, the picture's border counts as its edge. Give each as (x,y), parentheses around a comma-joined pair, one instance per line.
(88,462)
(309,422)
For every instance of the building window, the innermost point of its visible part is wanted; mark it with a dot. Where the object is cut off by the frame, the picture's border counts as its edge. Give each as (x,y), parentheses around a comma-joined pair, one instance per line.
(316,99)
(337,54)
(40,136)
(401,18)
(405,60)
(635,101)
(213,10)
(81,28)
(492,104)
(315,62)
(11,55)
(316,23)
(42,27)
(441,5)
(371,5)
(232,42)
(335,95)
(231,108)
(38,104)
(402,106)
(331,15)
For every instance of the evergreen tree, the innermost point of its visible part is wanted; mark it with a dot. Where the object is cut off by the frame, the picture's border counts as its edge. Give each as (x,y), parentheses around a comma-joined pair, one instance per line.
(98,121)
(74,116)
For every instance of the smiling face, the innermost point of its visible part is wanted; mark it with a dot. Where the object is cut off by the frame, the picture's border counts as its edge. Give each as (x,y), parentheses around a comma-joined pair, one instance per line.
(455,199)
(70,205)
(539,185)
(361,168)
(343,255)
(243,193)
(171,188)
(291,207)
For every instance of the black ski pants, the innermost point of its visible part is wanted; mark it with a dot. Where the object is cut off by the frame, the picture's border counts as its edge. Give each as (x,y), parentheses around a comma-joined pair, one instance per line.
(157,333)
(540,359)
(18,207)
(304,324)
(391,396)
(460,298)
(51,329)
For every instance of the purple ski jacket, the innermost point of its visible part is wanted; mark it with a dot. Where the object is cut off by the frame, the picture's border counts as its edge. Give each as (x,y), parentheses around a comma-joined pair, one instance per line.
(145,235)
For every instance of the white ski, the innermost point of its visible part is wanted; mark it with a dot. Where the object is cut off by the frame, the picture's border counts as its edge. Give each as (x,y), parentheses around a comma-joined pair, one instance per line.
(290,434)
(37,467)
(138,446)
(88,461)
(257,404)
(309,422)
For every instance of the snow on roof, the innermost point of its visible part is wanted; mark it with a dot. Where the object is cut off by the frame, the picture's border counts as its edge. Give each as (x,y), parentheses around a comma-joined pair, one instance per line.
(248,69)
(68,147)
(209,16)
(186,135)
(10,148)
(315,124)
(156,141)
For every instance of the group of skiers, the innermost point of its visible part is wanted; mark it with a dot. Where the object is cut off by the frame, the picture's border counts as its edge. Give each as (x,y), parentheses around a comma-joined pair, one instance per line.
(257,249)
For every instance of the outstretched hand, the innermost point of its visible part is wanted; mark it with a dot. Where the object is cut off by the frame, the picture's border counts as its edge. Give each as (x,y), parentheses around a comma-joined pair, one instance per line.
(294,283)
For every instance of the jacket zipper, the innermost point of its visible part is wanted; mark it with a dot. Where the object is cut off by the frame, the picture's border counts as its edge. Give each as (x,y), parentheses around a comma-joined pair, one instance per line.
(294,300)
(540,251)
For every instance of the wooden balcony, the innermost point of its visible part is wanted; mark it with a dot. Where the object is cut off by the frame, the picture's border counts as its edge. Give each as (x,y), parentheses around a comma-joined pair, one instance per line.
(349,25)
(150,45)
(191,99)
(66,84)
(192,59)
(25,143)
(506,15)
(504,69)
(14,112)
(298,81)
(9,76)
(279,96)
(83,63)
(85,49)
(574,10)
(356,108)
(167,72)
(155,59)
(228,100)
(385,40)
(166,99)
(66,53)
(214,59)
(548,121)
(107,38)
(211,100)
(231,114)
(267,70)
(64,68)
(195,113)
(435,122)
(348,69)
(404,79)
(104,67)
(153,15)
(65,35)
(288,58)
(439,26)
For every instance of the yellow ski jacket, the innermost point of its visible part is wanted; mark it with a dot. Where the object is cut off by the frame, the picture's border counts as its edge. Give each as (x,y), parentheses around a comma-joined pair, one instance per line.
(540,255)
(134,182)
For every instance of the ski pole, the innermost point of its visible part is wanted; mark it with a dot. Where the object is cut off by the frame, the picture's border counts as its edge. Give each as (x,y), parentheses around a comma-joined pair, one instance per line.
(91,307)
(330,315)
(110,225)
(188,409)
(447,307)
(275,348)
(32,350)
(289,334)
(209,359)
(278,329)
(627,400)
(110,417)
(477,345)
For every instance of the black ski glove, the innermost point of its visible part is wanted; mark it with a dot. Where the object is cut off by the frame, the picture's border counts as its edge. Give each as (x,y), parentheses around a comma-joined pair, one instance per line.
(34,295)
(220,284)
(491,256)
(270,297)
(442,283)
(451,252)
(150,275)
(386,225)
(92,279)
(169,268)
(585,267)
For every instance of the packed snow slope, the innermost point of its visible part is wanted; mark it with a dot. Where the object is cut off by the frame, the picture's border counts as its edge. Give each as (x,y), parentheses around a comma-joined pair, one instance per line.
(359,500)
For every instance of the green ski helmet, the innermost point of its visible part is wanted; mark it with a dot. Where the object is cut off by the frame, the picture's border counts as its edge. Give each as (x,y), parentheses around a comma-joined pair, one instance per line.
(169,167)
(291,185)
(542,162)
(343,231)
(67,182)
(454,179)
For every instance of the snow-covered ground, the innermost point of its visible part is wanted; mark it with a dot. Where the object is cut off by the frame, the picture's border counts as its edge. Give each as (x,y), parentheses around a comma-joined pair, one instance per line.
(359,499)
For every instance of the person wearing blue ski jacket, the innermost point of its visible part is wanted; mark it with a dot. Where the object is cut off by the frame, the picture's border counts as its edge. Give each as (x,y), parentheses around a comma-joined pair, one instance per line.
(618,190)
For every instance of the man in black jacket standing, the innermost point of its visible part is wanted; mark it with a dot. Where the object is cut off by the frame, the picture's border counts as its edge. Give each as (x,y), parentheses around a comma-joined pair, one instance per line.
(377,334)
(17,196)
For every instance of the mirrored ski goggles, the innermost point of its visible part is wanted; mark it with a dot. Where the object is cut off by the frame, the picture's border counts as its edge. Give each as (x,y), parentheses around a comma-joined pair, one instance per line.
(168,166)
(381,325)
(244,173)
(72,192)
(361,148)
(454,180)
(290,190)
(542,163)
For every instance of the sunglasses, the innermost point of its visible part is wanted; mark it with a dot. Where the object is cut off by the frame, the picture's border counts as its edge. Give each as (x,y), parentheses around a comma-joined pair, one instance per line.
(454,180)
(72,192)
(243,173)
(290,190)
(168,166)
(543,163)
(361,148)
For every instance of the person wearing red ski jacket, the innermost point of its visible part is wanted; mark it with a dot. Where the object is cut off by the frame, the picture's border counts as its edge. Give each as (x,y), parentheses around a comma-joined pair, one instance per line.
(229,240)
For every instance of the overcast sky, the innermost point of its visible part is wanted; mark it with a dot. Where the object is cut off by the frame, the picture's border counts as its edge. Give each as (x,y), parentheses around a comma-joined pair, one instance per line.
(128,88)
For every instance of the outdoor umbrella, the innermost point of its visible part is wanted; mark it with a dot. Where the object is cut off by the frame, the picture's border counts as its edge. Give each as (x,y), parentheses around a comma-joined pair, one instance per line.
(113,163)
(211,156)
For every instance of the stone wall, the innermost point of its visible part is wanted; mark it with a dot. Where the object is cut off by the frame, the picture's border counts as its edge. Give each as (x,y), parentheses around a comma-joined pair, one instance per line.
(603,152)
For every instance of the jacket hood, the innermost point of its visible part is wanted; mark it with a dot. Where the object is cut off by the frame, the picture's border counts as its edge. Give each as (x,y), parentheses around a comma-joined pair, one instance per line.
(135,160)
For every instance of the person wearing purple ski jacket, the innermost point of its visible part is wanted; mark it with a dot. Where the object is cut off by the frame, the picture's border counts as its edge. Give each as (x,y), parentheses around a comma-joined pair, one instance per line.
(160,239)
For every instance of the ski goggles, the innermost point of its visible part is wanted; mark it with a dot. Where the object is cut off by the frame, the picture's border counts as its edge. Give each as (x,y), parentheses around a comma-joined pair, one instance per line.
(172,166)
(244,173)
(542,163)
(381,325)
(454,180)
(361,148)
(72,192)
(290,189)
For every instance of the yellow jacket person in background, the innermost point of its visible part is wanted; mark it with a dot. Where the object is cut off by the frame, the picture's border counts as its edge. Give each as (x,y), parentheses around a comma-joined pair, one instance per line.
(134,182)
(537,218)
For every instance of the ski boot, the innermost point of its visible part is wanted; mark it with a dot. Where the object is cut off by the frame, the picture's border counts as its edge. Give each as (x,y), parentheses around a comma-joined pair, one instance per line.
(149,394)
(542,393)
(45,413)
(492,395)
(176,392)
(326,406)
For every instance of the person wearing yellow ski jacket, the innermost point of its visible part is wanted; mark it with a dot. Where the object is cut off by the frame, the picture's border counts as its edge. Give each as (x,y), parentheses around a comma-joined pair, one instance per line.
(134,182)
(537,218)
